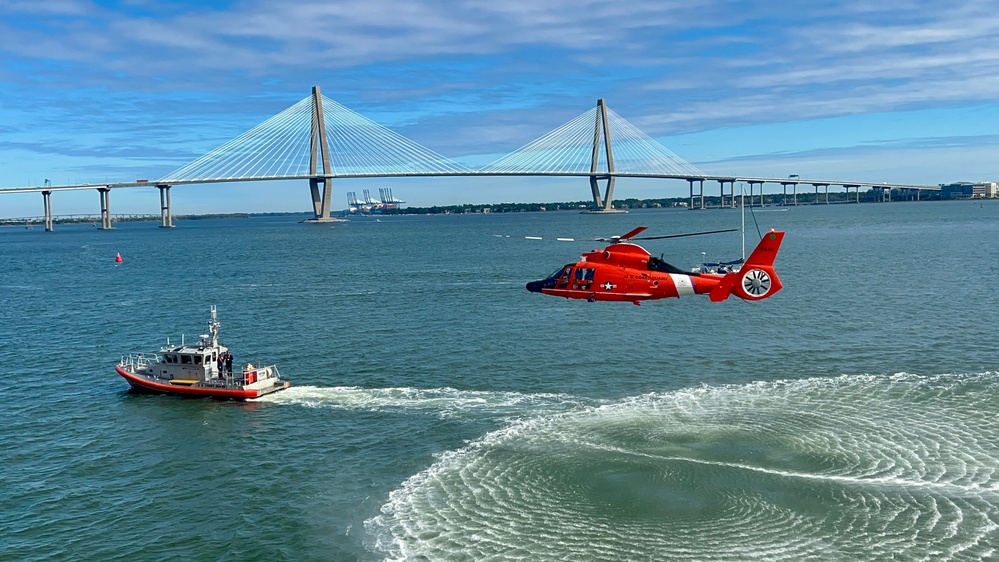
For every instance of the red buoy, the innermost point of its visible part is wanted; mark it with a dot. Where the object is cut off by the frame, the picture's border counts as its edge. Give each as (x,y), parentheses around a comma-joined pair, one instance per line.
(117,258)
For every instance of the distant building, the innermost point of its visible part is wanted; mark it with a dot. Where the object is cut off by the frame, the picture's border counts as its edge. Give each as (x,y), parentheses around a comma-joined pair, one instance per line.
(957,190)
(985,190)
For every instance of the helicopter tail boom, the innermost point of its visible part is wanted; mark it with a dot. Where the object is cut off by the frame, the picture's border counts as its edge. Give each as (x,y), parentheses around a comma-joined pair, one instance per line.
(756,279)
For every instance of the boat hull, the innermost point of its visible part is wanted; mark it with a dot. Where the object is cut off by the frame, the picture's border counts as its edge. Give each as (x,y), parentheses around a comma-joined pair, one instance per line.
(147,384)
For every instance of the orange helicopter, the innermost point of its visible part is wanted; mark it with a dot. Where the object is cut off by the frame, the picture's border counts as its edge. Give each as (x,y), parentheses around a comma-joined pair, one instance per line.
(624,271)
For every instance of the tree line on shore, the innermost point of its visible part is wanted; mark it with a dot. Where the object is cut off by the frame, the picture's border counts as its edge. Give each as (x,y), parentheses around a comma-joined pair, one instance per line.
(769,199)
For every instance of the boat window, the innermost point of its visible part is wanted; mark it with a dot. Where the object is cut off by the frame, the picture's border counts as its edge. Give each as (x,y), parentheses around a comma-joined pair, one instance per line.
(197,359)
(214,359)
(185,359)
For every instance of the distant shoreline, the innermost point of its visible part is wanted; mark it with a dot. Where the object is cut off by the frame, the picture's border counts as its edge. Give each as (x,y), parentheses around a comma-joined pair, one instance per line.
(770,200)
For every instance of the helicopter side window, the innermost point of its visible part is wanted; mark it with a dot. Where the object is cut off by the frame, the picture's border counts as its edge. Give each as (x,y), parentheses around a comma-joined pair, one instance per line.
(563,281)
(584,278)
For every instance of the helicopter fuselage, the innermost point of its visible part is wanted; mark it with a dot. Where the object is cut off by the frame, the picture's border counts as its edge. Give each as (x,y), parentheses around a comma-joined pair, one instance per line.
(627,272)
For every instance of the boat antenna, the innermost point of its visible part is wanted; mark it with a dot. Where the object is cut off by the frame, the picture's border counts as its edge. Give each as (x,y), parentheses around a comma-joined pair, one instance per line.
(742,187)
(213,327)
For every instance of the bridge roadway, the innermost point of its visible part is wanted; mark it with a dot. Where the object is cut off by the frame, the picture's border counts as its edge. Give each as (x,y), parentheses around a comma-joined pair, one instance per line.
(166,214)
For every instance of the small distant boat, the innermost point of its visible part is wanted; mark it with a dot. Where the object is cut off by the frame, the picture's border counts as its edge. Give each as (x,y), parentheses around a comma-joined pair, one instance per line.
(198,370)
(719,268)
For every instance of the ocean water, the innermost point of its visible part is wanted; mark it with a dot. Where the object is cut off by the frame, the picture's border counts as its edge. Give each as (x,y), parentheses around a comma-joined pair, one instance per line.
(439,411)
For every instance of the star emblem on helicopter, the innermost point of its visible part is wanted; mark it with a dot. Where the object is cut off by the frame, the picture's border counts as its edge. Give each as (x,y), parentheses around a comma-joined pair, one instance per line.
(608,286)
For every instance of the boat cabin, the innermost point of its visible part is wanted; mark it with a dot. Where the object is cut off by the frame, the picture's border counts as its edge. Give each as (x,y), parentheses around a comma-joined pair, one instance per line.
(191,362)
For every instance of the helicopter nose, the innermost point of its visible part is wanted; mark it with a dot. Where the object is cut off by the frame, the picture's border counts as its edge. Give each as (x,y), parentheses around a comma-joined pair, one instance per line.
(535,286)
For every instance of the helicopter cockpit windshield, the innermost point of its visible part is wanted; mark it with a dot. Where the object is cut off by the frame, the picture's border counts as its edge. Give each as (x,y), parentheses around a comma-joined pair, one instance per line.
(559,277)
(558,272)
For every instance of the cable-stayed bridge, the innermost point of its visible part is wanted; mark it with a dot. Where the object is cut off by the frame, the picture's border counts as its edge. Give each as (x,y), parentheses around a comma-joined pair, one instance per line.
(319,140)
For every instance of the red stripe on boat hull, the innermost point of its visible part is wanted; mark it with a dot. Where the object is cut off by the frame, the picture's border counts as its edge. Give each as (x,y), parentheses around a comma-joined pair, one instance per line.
(145,384)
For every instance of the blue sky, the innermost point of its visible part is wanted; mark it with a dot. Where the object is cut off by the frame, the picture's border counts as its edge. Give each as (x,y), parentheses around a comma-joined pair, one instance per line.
(895,91)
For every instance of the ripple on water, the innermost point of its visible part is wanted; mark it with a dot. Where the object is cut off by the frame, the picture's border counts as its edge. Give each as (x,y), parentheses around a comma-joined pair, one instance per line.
(856,467)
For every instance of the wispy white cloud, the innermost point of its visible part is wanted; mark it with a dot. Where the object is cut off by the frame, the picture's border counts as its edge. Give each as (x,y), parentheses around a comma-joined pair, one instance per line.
(471,76)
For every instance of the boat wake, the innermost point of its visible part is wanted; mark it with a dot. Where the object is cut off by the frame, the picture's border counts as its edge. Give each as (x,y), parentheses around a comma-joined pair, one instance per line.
(442,402)
(847,468)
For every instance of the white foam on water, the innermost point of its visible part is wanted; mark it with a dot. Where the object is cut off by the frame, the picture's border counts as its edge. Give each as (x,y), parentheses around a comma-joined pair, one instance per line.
(443,402)
(855,467)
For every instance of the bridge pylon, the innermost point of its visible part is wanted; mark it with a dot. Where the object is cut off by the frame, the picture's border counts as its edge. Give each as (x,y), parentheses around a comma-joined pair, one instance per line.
(601,132)
(320,152)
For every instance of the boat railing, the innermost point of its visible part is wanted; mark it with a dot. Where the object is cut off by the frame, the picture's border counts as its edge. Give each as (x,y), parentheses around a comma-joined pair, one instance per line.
(137,361)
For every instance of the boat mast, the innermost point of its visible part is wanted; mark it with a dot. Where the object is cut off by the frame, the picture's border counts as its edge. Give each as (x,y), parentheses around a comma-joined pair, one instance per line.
(213,327)
(743,188)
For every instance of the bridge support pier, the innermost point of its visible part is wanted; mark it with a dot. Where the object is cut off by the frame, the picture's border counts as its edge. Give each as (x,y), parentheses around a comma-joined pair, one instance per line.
(47,203)
(166,213)
(794,190)
(721,188)
(604,205)
(321,202)
(105,208)
(751,184)
(320,151)
(817,185)
(691,204)
(601,130)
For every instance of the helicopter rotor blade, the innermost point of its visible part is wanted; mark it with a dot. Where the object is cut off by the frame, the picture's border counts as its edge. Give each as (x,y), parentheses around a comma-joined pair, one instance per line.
(557,239)
(633,233)
(619,237)
(687,234)
(616,239)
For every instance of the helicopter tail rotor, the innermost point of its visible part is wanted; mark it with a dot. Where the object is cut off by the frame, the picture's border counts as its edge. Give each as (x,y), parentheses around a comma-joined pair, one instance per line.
(756,279)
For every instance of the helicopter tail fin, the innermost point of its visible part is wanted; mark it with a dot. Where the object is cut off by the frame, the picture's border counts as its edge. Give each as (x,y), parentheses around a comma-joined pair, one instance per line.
(756,279)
